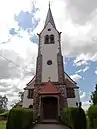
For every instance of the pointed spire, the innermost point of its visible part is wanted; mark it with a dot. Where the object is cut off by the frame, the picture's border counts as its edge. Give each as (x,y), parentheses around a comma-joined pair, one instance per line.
(49,4)
(49,17)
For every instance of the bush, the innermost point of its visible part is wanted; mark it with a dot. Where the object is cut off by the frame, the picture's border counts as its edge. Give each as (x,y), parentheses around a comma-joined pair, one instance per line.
(19,118)
(92,115)
(74,118)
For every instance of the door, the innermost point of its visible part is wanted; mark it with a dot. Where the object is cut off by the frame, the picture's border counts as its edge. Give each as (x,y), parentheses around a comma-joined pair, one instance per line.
(50,108)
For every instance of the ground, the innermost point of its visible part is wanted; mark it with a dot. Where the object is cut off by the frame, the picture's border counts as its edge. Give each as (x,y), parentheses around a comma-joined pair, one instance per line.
(2,124)
(50,126)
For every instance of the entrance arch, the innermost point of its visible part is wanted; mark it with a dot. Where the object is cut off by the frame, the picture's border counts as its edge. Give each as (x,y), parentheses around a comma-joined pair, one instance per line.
(50,107)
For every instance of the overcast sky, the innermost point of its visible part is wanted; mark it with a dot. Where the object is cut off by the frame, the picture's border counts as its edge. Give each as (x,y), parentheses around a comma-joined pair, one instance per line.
(21,20)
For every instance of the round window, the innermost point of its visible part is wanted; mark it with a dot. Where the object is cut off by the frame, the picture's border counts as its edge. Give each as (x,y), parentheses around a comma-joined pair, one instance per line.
(49,62)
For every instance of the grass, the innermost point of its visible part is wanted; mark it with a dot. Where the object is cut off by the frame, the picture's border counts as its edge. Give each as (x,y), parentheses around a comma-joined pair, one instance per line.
(3,124)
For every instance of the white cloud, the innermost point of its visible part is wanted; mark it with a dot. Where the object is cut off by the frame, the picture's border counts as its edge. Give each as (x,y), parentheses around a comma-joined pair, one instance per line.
(83,70)
(85,105)
(95,71)
(15,50)
(83,59)
(83,95)
(76,77)
(17,65)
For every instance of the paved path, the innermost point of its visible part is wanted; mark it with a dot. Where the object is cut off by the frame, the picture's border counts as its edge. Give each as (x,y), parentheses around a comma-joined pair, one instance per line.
(50,126)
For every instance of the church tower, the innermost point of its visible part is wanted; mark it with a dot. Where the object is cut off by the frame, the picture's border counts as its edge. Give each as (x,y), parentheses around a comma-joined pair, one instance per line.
(49,60)
(49,88)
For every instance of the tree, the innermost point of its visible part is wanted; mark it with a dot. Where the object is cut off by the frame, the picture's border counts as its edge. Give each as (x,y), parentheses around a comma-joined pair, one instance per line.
(17,103)
(3,103)
(94,96)
(21,95)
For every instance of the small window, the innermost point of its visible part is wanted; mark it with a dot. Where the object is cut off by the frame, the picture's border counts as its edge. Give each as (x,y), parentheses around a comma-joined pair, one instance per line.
(49,29)
(49,62)
(46,39)
(30,94)
(70,93)
(51,39)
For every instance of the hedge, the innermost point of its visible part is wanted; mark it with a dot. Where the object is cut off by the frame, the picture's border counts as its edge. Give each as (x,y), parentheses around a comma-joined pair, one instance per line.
(74,118)
(92,115)
(19,118)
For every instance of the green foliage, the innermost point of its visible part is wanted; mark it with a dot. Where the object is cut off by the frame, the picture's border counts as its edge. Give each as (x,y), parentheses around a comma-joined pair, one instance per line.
(74,118)
(3,102)
(92,115)
(94,96)
(20,118)
(1,110)
(21,95)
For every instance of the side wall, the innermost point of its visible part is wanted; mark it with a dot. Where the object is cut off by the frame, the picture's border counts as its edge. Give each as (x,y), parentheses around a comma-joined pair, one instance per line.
(27,102)
(72,101)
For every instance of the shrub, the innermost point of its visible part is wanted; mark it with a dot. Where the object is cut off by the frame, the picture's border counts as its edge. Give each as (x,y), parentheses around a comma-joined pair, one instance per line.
(92,115)
(20,118)
(74,118)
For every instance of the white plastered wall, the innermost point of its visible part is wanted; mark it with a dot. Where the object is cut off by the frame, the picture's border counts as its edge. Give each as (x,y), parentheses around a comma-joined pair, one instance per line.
(49,52)
(72,101)
(27,102)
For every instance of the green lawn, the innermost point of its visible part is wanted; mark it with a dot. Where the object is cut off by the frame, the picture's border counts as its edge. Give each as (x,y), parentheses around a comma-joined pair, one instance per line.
(2,124)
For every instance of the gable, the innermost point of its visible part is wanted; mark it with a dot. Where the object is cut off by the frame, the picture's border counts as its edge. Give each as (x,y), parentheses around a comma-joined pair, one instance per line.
(49,25)
(49,88)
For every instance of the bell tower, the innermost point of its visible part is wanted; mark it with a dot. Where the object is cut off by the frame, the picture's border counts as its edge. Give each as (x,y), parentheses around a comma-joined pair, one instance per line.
(49,68)
(50,59)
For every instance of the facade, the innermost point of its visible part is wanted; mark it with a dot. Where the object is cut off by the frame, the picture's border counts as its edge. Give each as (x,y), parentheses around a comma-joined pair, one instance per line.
(51,89)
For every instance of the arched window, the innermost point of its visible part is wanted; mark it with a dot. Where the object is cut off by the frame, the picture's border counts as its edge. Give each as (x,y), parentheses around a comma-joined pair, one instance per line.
(52,39)
(46,39)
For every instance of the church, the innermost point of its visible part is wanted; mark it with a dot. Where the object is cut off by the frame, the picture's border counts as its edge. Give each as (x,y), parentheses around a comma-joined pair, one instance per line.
(51,89)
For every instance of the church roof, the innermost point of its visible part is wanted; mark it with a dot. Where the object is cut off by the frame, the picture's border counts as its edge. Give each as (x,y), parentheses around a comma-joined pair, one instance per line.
(69,78)
(49,88)
(30,85)
(49,18)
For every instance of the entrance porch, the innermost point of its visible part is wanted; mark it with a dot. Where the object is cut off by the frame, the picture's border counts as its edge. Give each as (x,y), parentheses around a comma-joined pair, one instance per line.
(49,108)
(49,102)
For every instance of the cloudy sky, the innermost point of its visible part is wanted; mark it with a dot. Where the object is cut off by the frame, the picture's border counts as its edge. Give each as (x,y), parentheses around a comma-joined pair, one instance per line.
(21,20)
